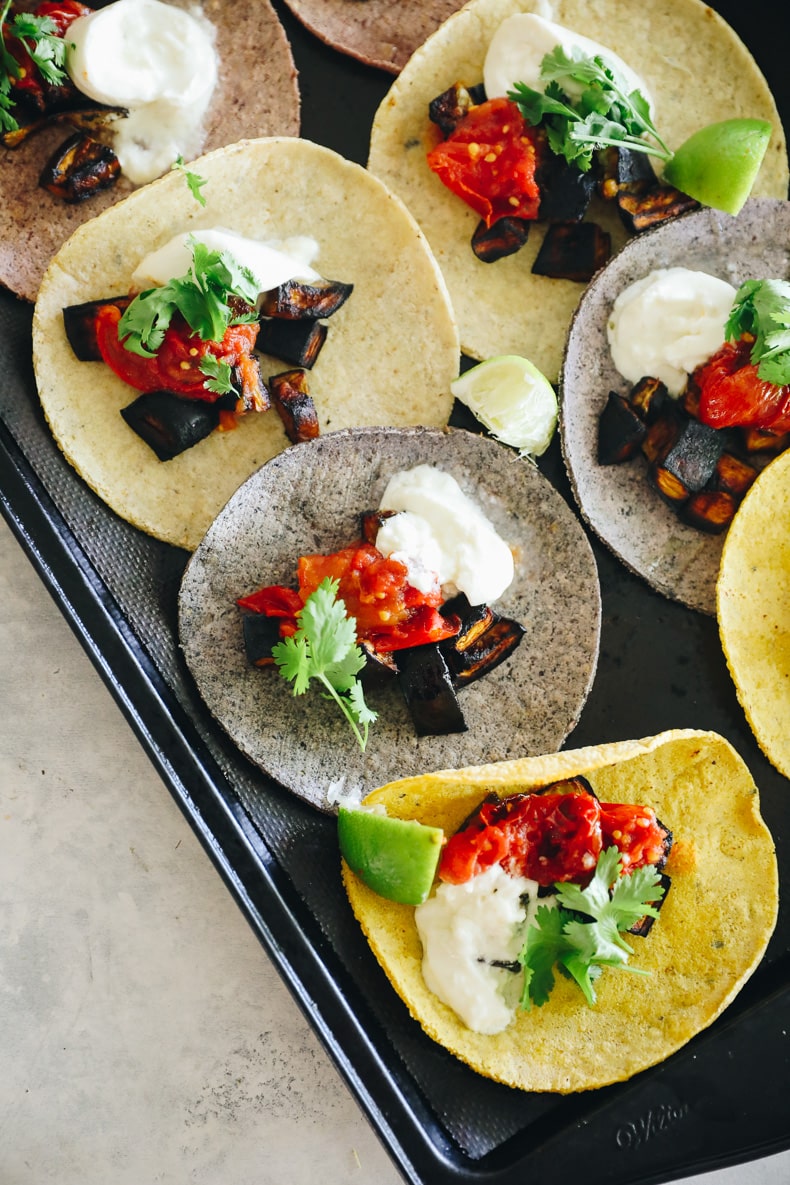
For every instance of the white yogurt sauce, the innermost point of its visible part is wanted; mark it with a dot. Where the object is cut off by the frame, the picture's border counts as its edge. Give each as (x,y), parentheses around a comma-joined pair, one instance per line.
(522,41)
(463,929)
(667,324)
(439,530)
(159,62)
(272,262)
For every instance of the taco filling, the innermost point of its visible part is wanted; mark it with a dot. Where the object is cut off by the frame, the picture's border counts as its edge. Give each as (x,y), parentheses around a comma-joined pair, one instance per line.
(709,403)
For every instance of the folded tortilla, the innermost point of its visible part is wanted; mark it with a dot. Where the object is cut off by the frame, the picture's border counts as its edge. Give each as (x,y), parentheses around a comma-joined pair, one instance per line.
(695,67)
(390,354)
(711,933)
(753,606)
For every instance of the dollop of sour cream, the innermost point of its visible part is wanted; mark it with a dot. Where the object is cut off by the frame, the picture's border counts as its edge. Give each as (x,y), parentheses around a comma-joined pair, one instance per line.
(522,41)
(439,532)
(465,930)
(667,324)
(272,262)
(159,62)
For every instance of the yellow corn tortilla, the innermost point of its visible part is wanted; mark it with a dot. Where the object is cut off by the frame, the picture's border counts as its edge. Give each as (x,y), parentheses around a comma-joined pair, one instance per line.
(753,608)
(712,930)
(697,70)
(390,354)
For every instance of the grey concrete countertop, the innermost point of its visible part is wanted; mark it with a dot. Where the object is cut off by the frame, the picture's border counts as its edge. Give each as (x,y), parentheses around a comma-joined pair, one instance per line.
(146,1039)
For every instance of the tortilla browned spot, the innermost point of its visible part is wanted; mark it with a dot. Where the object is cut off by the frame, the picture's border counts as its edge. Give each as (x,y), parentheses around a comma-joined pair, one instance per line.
(711,934)
(695,67)
(617,500)
(378,32)
(308,500)
(257,95)
(753,601)
(390,355)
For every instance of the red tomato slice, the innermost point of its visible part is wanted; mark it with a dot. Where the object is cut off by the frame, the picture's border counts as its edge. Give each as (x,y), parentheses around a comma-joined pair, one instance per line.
(732,393)
(489,161)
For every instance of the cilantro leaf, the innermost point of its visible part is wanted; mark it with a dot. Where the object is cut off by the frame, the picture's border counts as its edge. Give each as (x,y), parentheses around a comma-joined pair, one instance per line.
(325,648)
(613,902)
(762,309)
(36,36)
(219,377)
(193,180)
(585,107)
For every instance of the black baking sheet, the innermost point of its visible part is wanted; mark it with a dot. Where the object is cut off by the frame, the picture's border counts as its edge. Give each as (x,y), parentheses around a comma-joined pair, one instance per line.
(720,1100)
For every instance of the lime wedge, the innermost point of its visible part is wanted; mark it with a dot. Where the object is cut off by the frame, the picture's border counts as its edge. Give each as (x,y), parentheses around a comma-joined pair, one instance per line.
(396,858)
(718,164)
(514,401)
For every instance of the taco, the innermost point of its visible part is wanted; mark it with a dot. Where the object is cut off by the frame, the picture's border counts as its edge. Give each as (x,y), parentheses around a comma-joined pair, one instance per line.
(309,500)
(389,357)
(617,501)
(256,94)
(502,307)
(712,927)
(376,32)
(753,609)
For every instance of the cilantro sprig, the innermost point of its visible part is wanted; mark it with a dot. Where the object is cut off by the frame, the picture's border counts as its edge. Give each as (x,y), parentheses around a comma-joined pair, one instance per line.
(580,121)
(203,297)
(581,949)
(762,309)
(325,648)
(42,43)
(193,180)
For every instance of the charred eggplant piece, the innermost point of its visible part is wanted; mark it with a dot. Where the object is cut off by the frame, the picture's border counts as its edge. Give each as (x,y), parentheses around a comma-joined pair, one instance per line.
(640,211)
(643,927)
(565,191)
(689,463)
(474,654)
(296,342)
(648,398)
(620,431)
(79,321)
(380,667)
(449,108)
(81,167)
(294,405)
(261,634)
(252,394)
(733,475)
(87,119)
(662,433)
(370,521)
(296,299)
(711,511)
(573,251)
(762,440)
(504,237)
(168,424)
(427,688)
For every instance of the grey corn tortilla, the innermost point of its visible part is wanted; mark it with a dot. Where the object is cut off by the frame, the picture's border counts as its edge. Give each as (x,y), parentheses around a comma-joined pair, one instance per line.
(390,354)
(711,933)
(257,95)
(309,500)
(616,500)
(378,32)
(695,67)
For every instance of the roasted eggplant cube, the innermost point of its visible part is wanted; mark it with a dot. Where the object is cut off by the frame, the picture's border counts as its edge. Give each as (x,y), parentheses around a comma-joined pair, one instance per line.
(642,928)
(634,169)
(81,167)
(648,398)
(663,433)
(641,211)
(261,634)
(692,457)
(294,405)
(504,237)
(711,511)
(296,342)
(428,690)
(565,191)
(79,321)
(380,667)
(762,440)
(449,108)
(733,474)
(573,251)
(370,521)
(169,424)
(620,431)
(298,298)
(473,654)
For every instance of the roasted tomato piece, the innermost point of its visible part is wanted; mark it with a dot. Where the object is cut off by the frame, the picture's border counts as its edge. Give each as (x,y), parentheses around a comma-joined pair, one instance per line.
(176,366)
(636,831)
(275,600)
(732,393)
(489,161)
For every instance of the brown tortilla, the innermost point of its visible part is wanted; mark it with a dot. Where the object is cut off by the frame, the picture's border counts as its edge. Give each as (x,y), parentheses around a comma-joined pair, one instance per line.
(309,500)
(753,601)
(711,933)
(257,95)
(389,358)
(378,32)
(617,500)
(695,67)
